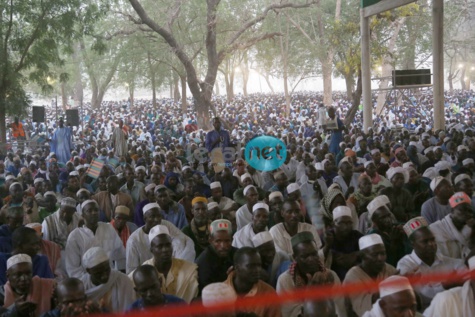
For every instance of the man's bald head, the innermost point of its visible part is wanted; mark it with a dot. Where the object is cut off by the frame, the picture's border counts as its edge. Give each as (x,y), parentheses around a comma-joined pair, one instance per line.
(320,308)
(70,289)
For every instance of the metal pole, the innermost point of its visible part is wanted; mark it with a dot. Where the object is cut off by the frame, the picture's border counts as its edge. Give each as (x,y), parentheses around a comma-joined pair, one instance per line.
(366,72)
(438,62)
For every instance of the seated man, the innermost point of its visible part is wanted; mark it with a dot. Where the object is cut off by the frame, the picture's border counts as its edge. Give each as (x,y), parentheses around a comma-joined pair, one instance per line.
(215,261)
(138,244)
(72,300)
(307,263)
(170,210)
(245,280)
(458,301)
(93,233)
(373,266)
(453,232)
(25,294)
(198,229)
(424,259)
(26,241)
(244,213)
(272,259)
(396,298)
(14,220)
(111,288)
(179,277)
(58,226)
(226,205)
(149,286)
(283,232)
(260,218)
(437,207)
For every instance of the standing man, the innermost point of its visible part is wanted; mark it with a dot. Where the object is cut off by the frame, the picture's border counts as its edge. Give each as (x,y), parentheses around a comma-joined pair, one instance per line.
(62,142)
(17,130)
(119,139)
(217,138)
(336,125)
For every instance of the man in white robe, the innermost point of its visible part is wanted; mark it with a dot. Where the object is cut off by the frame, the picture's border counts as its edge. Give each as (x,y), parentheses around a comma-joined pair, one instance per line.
(244,214)
(453,232)
(373,266)
(260,218)
(112,289)
(138,249)
(181,279)
(397,298)
(119,139)
(271,258)
(92,234)
(60,224)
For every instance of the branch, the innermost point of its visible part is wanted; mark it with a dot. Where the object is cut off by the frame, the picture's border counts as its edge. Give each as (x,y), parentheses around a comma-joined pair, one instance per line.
(7,35)
(299,28)
(245,45)
(30,42)
(175,14)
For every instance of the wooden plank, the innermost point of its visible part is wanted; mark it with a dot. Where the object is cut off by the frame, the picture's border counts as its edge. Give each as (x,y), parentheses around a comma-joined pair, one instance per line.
(384,5)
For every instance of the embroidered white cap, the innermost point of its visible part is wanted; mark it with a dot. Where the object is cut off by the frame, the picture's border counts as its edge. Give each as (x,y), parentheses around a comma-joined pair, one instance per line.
(341,211)
(214,185)
(18,258)
(260,206)
(68,202)
(261,238)
(394,284)
(246,189)
(376,203)
(157,230)
(244,176)
(369,240)
(215,293)
(293,187)
(94,256)
(149,206)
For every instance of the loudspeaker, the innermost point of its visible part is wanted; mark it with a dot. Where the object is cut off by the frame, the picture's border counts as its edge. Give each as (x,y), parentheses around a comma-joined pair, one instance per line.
(38,114)
(72,117)
(411,77)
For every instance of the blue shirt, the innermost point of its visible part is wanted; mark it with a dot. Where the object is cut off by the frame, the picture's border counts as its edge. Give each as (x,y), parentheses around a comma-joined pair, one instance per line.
(169,299)
(176,215)
(214,135)
(41,267)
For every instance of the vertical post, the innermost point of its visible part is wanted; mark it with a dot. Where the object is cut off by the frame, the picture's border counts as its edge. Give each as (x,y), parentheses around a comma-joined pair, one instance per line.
(56,103)
(366,73)
(438,62)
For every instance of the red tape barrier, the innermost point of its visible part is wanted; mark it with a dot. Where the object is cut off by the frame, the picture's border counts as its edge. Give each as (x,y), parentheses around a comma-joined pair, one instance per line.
(313,293)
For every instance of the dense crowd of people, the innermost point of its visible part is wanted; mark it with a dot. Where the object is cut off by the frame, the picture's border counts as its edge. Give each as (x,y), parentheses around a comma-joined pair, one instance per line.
(139,208)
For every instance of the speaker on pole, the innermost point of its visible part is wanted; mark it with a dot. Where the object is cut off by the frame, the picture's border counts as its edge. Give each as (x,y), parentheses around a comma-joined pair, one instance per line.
(72,117)
(38,114)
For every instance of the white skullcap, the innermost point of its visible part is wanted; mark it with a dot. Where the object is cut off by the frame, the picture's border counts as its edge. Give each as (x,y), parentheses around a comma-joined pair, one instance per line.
(319,166)
(442,165)
(157,230)
(398,170)
(138,168)
(437,148)
(244,176)
(68,202)
(149,206)
(376,203)
(94,256)
(460,178)
(425,135)
(429,149)
(49,193)
(358,139)
(275,195)
(89,201)
(367,163)
(212,205)
(394,284)
(246,189)
(74,173)
(293,187)
(430,173)
(261,238)
(435,182)
(414,143)
(33,162)
(407,165)
(18,258)
(214,185)
(184,168)
(260,206)
(38,180)
(9,177)
(82,190)
(370,240)
(346,159)
(325,161)
(471,263)
(15,184)
(374,151)
(79,167)
(341,211)
(216,293)
(150,187)
(33,225)
(464,162)
(462,147)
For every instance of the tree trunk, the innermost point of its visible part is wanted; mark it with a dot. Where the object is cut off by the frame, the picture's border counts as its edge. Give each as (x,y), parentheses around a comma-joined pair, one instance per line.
(327,84)
(78,86)
(350,115)
(350,85)
(229,80)
(3,126)
(131,94)
(216,85)
(462,79)
(245,74)
(176,90)
(64,96)
(184,105)
(95,95)
(153,82)
(284,49)
(268,83)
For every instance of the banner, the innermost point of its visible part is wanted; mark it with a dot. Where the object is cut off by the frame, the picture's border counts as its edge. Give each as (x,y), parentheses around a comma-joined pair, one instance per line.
(95,169)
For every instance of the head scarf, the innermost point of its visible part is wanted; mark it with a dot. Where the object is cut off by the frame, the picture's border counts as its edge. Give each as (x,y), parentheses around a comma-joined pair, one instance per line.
(327,201)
